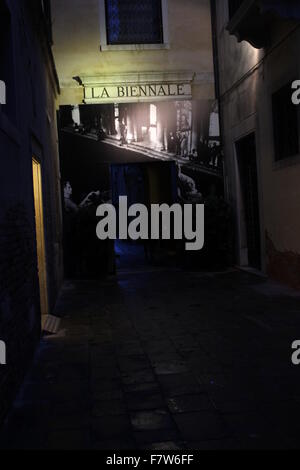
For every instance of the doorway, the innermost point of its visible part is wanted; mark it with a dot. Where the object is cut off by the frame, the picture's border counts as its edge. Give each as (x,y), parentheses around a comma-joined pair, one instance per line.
(247,167)
(40,236)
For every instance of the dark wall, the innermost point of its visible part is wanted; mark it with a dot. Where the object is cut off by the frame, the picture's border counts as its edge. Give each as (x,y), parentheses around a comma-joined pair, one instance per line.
(29,131)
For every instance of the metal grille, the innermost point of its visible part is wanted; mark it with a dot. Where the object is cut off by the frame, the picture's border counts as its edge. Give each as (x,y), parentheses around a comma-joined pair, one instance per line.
(134,22)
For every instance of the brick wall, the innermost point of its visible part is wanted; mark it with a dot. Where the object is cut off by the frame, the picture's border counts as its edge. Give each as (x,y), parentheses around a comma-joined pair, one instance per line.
(19,299)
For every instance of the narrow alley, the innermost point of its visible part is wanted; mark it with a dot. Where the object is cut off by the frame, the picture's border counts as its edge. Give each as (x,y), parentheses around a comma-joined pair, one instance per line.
(138,363)
(149,229)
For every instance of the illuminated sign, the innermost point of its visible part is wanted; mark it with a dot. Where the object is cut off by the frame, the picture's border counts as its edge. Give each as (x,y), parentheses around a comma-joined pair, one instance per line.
(2,92)
(134,87)
(145,92)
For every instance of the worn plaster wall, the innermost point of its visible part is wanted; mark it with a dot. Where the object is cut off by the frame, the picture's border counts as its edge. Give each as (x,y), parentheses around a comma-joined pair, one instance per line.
(77,29)
(248,78)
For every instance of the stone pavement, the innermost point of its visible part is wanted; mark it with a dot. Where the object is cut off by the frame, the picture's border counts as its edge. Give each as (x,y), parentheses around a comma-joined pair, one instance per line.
(165,360)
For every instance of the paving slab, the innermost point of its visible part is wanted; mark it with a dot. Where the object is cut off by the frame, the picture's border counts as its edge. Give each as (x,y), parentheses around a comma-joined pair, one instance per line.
(151,420)
(204,425)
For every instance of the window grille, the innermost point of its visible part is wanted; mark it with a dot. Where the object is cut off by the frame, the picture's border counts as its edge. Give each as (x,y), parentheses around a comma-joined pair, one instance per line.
(134,22)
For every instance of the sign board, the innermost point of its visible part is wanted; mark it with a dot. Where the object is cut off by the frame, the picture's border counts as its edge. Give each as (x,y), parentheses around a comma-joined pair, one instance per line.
(137,87)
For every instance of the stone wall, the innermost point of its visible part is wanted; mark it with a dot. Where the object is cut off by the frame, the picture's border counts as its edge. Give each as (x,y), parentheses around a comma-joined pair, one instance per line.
(29,131)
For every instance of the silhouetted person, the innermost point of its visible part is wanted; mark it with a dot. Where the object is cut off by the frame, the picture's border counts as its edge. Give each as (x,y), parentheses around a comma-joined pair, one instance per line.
(123,132)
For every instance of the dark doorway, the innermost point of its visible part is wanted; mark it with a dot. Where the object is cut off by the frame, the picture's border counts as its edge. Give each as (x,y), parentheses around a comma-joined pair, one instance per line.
(246,156)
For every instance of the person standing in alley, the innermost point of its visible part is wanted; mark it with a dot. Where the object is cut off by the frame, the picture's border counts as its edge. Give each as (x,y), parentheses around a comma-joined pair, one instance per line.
(123,132)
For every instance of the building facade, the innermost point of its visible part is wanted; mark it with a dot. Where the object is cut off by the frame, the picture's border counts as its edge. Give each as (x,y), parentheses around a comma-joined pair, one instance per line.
(30,210)
(149,64)
(257,59)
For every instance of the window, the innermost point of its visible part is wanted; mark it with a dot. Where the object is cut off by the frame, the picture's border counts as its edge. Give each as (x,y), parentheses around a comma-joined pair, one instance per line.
(234,5)
(134,25)
(134,22)
(285,122)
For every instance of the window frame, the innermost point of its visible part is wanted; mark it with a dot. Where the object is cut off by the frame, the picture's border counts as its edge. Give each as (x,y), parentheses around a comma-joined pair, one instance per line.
(104,46)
